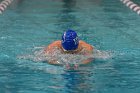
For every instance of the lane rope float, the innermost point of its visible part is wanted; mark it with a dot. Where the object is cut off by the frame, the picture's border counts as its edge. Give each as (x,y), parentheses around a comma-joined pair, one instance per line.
(4,4)
(132,6)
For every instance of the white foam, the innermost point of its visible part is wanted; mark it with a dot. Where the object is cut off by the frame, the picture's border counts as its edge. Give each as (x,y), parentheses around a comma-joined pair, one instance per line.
(39,56)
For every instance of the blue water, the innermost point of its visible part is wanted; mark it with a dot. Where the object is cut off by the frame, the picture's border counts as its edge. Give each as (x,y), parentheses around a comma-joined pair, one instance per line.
(29,25)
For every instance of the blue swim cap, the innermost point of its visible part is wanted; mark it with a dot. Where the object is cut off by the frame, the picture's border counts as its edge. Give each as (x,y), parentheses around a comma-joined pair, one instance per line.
(70,40)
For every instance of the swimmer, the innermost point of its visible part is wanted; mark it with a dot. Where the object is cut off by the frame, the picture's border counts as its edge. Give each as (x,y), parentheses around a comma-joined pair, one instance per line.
(70,44)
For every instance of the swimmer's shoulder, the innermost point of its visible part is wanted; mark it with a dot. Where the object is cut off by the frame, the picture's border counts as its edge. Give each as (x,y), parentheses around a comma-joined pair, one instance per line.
(86,45)
(55,44)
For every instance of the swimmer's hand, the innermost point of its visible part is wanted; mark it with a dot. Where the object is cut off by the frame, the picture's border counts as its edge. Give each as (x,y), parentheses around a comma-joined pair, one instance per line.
(54,62)
(71,67)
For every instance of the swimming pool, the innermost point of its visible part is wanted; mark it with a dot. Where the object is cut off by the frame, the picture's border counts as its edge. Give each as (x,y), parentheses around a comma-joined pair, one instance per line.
(28,25)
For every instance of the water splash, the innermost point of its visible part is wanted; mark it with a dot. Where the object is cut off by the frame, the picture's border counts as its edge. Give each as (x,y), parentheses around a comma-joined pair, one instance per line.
(41,56)
(98,54)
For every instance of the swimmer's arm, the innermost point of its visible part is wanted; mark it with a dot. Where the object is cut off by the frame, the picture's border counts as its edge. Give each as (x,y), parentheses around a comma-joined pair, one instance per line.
(87,61)
(89,53)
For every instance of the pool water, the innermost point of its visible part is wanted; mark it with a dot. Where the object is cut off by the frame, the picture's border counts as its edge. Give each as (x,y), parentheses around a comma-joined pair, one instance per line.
(27,26)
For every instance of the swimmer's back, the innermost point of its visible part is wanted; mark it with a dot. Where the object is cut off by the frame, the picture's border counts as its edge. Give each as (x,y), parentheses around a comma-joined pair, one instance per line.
(57,44)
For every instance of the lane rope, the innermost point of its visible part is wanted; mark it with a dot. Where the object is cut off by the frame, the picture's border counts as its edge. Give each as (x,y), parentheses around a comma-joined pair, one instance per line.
(4,4)
(132,6)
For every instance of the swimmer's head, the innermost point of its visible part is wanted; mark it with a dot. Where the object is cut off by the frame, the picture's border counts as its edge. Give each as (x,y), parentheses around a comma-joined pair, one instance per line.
(70,40)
